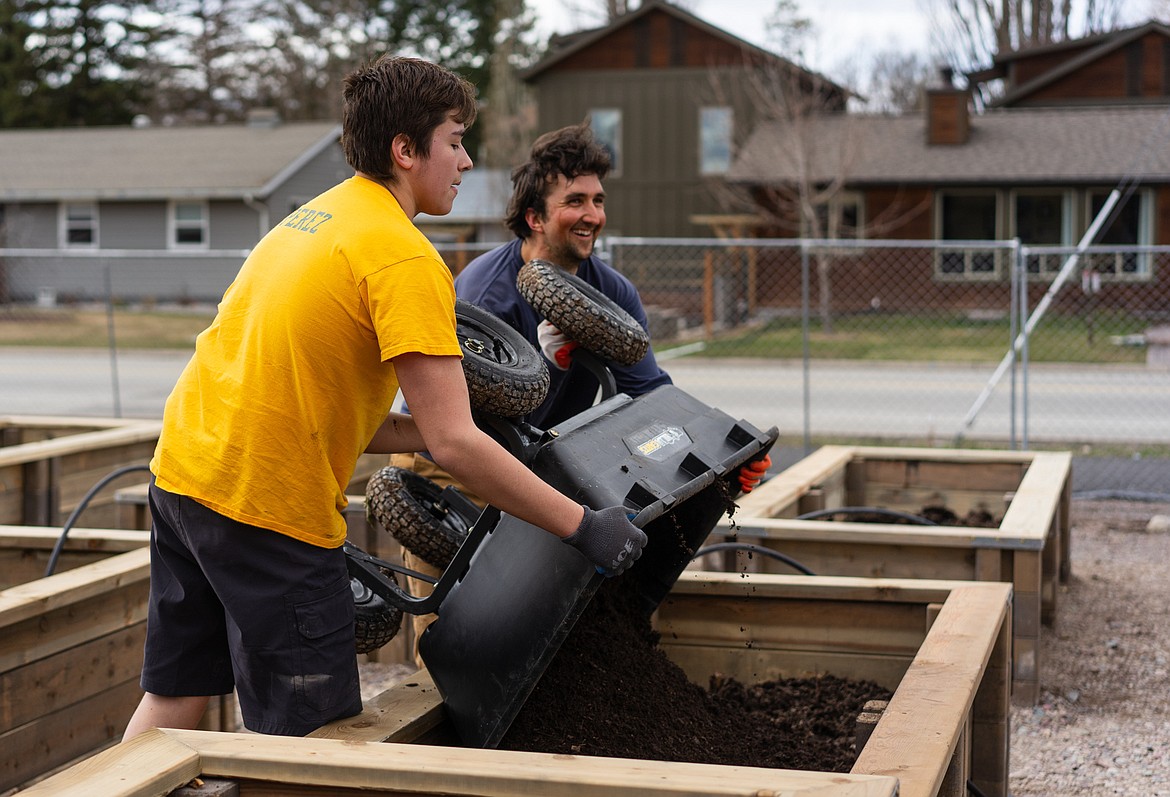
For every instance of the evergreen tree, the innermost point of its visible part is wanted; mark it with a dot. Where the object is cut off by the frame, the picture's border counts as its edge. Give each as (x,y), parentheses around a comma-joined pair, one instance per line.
(23,94)
(88,55)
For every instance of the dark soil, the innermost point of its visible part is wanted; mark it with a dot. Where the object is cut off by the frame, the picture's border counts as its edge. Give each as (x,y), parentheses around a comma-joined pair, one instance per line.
(939,515)
(611,691)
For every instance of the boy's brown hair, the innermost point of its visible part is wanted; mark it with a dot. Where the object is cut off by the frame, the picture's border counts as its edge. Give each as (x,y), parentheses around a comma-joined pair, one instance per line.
(395,95)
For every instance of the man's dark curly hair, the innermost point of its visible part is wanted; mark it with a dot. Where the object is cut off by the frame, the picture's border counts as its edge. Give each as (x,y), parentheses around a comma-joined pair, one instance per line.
(571,151)
(396,95)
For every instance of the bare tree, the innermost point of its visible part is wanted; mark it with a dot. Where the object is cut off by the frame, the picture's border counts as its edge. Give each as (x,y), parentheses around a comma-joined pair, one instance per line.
(509,117)
(970,32)
(896,82)
(792,102)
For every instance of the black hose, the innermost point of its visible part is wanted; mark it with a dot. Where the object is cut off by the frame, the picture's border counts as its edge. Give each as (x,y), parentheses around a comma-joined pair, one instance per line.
(1121,495)
(749,547)
(81,506)
(862,510)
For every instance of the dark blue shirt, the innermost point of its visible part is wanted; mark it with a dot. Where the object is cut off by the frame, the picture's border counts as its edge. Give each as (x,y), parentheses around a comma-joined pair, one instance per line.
(490,282)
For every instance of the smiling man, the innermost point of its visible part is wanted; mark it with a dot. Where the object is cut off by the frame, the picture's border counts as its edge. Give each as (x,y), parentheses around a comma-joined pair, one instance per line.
(557,212)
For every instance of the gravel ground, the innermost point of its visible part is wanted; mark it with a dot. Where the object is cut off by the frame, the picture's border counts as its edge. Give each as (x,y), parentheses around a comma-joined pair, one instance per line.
(1102,727)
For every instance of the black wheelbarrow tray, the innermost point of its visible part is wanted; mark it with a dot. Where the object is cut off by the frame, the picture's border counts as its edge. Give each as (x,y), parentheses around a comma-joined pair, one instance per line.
(513,592)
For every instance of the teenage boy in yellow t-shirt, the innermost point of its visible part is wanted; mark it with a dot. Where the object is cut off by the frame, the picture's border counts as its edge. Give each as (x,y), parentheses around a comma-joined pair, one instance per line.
(340,305)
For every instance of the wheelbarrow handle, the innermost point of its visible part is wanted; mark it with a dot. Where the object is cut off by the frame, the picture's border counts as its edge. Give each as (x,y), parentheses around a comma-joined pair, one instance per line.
(363,568)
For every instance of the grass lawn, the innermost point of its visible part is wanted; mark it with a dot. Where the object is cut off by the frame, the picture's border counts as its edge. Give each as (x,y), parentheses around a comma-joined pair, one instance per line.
(938,338)
(859,337)
(65,326)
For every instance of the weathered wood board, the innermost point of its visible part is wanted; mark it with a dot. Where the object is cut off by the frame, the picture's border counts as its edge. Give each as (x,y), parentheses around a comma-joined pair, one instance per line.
(944,646)
(47,466)
(1030,491)
(70,646)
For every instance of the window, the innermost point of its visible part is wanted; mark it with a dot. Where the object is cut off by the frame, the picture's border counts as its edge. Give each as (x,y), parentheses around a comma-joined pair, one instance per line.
(607,128)
(1129,225)
(1043,218)
(188,222)
(968,216)
(714,140)
(840,217)
(79,225)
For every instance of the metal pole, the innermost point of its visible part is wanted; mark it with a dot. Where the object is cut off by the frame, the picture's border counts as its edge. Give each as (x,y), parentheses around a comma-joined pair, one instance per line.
(1017,274)
(1025,410)
(112,342)
(804,342)
(1038,313)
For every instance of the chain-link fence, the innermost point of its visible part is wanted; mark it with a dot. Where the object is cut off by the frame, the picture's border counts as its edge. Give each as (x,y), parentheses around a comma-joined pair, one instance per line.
(969,344)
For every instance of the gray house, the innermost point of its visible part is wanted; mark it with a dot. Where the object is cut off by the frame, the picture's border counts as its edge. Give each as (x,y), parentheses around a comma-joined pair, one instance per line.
(169,213)
(150,212)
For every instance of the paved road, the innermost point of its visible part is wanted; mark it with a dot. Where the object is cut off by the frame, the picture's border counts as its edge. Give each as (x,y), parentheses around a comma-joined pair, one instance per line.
(1081,407)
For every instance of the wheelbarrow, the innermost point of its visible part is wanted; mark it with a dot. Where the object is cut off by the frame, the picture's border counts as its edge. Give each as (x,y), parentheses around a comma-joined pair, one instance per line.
(512,592)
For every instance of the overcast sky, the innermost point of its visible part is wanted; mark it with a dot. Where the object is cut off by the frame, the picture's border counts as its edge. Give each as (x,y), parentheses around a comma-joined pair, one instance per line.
(844,30)
(842,27)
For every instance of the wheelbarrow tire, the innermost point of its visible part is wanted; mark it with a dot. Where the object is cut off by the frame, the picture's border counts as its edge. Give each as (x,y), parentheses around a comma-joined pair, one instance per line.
(505,373)
(376,621)
(582,312)
(407,505)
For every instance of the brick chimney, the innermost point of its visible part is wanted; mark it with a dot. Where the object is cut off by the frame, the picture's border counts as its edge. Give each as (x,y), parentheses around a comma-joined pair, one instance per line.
(947,115)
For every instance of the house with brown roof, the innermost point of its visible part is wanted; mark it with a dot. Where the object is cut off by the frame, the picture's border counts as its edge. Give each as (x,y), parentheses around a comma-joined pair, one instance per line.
(672,97)
(1073,122)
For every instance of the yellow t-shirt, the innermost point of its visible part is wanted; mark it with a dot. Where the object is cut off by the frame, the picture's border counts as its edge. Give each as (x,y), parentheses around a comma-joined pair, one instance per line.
(293,377)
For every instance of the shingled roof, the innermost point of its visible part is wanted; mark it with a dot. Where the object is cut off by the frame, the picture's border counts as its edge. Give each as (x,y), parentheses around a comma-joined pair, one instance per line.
(1018,146)
(215,161)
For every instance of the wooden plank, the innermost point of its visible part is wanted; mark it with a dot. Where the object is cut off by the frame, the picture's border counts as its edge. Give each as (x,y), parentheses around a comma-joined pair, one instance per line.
(814,625)
(756,666)
(1038,497)
(38,505)
(43,617)
(78,586)
(838,588)
(967,455)
(402,713)
(62,424)
(915,499)
(44,538)
(149,765)
(870,560)
(60,736)
(30,565)
(778,495)
(753,529)
(951,473)
(990,718)
(444,770)
(75,674)
(87,441)
(959,771)
(925,716)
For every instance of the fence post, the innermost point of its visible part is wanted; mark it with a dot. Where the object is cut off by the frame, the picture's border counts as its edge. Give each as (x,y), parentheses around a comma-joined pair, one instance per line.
(805,311)
(112,341)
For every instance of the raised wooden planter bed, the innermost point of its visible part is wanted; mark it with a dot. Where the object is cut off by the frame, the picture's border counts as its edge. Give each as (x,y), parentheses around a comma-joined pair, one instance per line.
(1030,547)
(942,646)
(70,646)
(47,465)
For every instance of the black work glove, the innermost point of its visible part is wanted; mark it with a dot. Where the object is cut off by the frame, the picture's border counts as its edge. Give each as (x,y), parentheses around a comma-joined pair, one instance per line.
(608,539)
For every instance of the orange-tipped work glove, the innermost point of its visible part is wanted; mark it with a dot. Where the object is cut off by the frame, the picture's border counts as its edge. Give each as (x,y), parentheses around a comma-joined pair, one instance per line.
(555,345)
(751,473)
